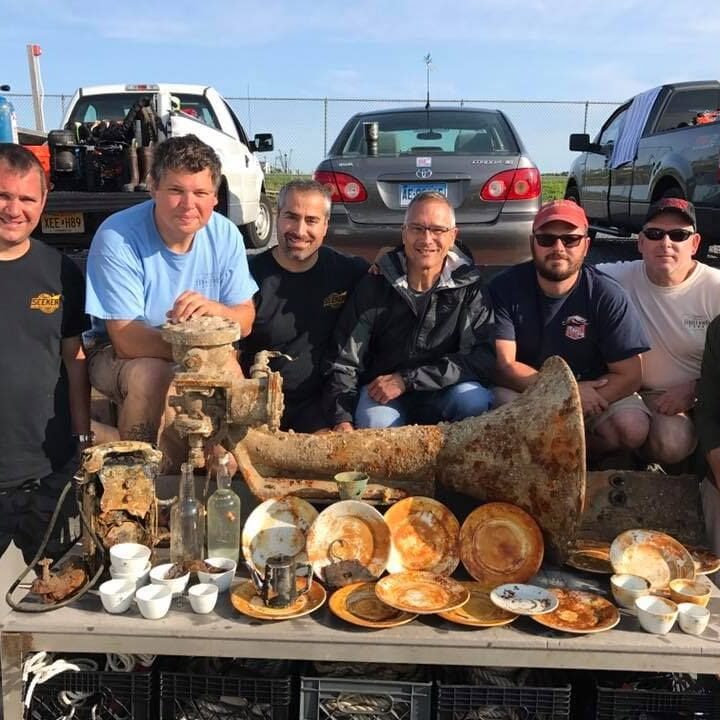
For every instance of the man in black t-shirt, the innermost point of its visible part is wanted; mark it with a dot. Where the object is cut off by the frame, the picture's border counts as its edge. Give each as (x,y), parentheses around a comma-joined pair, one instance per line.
(303,287)
(558,305)
(45,406)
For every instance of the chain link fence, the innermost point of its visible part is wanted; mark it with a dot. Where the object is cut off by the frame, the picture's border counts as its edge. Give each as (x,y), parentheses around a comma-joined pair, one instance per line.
(304,128)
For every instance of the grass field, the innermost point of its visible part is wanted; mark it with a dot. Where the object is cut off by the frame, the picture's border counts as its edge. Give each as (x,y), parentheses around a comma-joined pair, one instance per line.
(553,185)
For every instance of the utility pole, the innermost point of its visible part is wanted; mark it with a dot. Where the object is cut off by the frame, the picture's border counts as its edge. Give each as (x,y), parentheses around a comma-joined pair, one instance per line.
(38,92)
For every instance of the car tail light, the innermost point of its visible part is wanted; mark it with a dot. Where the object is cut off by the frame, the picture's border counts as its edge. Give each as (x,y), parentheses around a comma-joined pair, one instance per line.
(520,184)
(344,187)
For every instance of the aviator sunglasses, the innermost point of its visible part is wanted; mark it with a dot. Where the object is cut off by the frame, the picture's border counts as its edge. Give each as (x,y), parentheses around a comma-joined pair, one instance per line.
(676,235)
(569,240)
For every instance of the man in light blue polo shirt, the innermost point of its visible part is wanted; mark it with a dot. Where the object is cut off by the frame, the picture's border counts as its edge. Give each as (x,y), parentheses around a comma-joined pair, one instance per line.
(169,259)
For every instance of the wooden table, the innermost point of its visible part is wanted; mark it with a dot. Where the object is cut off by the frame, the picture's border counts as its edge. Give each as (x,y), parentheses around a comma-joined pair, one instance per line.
(86,628)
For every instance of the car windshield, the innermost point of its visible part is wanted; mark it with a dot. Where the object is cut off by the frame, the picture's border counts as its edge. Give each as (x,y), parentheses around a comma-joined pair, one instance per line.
(439,132)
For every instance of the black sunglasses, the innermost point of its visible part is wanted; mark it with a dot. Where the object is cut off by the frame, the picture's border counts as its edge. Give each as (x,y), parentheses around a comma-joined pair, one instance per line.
(547,240)
(676,235)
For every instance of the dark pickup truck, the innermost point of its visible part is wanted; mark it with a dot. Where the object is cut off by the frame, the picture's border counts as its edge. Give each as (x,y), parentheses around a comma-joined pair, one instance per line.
(662,143)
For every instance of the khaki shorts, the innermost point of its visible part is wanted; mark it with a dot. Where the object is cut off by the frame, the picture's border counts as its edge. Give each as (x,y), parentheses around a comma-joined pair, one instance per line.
(629,402)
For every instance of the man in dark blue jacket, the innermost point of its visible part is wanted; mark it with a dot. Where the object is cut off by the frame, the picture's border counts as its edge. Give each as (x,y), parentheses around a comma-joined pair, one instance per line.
(414,343)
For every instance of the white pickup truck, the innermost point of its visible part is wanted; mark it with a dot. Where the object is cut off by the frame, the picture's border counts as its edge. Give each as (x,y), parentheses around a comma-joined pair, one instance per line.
(89,170)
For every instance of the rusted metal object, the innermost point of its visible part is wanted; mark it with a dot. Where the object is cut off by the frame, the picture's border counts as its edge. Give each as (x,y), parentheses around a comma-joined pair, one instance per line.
(64,582)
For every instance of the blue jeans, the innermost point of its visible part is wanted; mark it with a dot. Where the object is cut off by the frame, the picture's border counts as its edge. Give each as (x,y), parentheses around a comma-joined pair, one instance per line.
(456,402)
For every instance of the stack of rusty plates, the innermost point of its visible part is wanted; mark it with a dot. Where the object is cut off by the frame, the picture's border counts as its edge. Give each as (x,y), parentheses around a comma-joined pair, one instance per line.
(500,543)
(424,593)
(424,535)
(479,610)
(359,604)
(246,600)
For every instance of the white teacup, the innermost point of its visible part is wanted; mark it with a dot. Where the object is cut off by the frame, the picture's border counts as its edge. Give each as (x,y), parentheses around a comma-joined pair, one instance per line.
(177,585)
(153,601)
(693,618)
(117,595)
(203,597)
(139,580)
(626,589)
(656,615)
(131,557)
(224,579)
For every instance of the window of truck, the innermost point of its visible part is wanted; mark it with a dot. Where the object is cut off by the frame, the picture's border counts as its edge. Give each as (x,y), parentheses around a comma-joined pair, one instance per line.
(611,132)
(684,106)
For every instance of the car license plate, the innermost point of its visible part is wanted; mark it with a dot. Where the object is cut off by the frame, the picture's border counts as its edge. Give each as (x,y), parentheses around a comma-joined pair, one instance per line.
(409,190)
(56,223)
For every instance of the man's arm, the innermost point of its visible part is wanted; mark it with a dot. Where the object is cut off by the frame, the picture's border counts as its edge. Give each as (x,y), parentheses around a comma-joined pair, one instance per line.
(192,304)
(510,372)
(677,398)
(133,339)
(622,379)
(73,358)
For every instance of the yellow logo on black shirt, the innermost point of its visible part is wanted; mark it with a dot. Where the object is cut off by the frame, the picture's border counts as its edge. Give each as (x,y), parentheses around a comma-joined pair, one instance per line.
(335,300)
(46,303)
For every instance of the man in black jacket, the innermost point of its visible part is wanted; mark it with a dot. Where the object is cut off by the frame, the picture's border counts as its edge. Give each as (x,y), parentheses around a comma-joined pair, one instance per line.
(414,343)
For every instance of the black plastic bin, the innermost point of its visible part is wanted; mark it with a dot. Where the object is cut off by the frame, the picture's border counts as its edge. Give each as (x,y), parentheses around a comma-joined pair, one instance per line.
(458,702)
(204,697)
(634,704)
(330,698)
(112,696)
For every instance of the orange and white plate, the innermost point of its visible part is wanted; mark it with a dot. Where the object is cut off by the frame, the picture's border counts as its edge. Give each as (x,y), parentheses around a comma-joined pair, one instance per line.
(245,599)
(706,561)
(277,527)
(424,593)
(359,604)
(479,610)
(653,555)
(591,556)
(424,535)
(580,612)
(500,543)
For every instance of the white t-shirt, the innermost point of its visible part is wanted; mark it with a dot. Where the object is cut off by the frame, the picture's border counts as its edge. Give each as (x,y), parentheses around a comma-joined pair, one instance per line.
(675,319)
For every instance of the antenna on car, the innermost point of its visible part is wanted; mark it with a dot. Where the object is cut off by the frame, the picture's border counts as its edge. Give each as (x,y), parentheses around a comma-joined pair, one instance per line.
(428,62)
(429,134)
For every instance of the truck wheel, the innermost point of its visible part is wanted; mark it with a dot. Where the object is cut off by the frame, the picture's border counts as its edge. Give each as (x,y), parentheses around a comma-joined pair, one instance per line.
(258,234)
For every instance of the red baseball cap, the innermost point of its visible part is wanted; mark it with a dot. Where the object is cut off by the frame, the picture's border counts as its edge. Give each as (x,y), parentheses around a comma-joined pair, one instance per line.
(564,210)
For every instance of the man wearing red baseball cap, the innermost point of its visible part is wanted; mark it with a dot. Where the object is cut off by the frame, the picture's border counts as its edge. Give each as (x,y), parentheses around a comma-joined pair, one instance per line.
(556,304)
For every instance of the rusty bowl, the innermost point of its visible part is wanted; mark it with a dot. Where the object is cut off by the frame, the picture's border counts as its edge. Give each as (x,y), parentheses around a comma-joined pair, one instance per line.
(690,591)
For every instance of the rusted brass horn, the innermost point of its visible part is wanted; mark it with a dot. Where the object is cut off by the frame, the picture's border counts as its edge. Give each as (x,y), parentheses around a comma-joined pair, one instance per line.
(530,452)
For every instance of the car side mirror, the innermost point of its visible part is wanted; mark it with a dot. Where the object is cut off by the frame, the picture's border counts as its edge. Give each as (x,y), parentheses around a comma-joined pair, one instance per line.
(263,142)
(580,142)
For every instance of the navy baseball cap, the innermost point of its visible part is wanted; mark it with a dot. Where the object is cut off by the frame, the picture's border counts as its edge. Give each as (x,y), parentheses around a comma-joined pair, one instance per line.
(676,205)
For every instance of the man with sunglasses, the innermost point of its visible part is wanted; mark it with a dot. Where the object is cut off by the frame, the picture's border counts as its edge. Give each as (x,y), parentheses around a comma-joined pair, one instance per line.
(556,304)
(413,344)
(676,298)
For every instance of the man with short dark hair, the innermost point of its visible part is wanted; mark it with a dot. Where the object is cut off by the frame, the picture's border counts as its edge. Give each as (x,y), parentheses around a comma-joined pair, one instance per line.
(169,259)
(676,298)
(414,342)
(303,287)
(556,304)
(45,406)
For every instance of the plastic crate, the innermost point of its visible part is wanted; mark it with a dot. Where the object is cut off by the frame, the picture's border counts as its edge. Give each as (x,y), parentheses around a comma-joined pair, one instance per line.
(345,698)
(111,696)
(614,704)
(204,697)
(463,702)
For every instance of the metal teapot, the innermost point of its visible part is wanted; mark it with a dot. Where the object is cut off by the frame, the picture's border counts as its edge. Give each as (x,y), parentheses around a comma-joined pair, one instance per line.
(278,589)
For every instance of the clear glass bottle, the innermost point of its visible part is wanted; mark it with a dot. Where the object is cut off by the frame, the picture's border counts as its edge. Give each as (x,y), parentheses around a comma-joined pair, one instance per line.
(187,521)
(223,517)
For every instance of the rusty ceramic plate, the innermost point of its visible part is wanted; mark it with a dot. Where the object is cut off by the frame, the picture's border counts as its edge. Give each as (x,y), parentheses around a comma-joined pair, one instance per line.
(277,527)
(500,543)
(653,555)
(524,599)
(359,604)
(415,591)
(580,612)
(593,558)
(245,599)
(424,535)
(706,562)
(479,610)
(352,538)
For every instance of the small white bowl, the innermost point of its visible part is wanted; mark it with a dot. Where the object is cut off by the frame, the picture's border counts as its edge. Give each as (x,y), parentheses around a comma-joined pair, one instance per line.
(656,615)
(176,585)
(693,619)
(223,580)
(203,597)
(139,580)
(626,589)
(131,557)
(117,595)
(153,601)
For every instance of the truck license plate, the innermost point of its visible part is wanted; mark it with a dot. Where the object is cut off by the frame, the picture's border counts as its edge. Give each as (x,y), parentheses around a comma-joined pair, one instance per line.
(56,223)
(409,190)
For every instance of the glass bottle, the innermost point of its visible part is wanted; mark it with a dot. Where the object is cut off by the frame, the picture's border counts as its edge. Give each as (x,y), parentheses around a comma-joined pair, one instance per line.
(187,520)
(223,517)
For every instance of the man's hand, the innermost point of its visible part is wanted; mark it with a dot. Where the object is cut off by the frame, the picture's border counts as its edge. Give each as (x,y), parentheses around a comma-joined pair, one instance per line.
(191,304)
(385,388)
(676,399)
(344,427)
(593,403)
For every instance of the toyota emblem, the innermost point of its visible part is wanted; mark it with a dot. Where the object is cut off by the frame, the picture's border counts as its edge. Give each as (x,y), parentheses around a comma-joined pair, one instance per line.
(423,173)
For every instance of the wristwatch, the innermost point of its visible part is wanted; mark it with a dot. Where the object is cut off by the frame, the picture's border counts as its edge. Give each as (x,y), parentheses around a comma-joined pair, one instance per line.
(85,437)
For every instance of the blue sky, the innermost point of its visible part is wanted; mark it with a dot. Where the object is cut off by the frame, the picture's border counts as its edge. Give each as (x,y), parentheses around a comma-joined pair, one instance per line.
(482,50)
